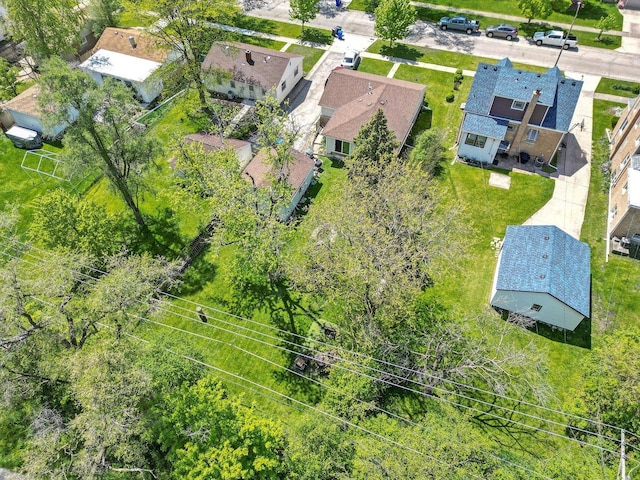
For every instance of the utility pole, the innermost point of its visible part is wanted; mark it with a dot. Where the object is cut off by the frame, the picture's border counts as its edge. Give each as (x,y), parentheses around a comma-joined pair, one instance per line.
(623,467)
(579,5)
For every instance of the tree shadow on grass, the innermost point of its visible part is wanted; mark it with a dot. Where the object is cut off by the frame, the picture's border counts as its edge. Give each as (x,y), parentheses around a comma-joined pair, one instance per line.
(401,50)
(313,35)
(254,23)
(200,273)
(580,337)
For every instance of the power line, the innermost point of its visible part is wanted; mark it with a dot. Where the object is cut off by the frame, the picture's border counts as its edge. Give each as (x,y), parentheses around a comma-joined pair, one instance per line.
(415,391)
(401,386)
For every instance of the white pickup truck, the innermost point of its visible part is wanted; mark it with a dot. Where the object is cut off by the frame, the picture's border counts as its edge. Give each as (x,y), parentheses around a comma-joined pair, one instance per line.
(555,38)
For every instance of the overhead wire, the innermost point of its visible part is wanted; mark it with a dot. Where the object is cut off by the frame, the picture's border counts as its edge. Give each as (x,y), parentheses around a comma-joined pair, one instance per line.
(510,420)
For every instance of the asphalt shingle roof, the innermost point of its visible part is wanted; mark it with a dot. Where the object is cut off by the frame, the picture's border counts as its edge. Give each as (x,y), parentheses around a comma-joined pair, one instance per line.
(502,80)
(357,96)
(266,70)
(544,259)
(487,126)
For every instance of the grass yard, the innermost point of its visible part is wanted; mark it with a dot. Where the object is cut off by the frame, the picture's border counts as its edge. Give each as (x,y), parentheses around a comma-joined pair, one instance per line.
(438,57)
(311,55)
(375,66)
(284,29)
(262,42)
(618,87)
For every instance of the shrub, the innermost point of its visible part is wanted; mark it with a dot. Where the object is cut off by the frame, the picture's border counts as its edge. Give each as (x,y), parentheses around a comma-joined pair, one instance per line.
(627,88)
(450,98)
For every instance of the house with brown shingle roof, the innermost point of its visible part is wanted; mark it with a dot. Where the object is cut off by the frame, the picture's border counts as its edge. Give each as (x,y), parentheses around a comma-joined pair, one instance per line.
(300,173)
(351,98)
(128,55)
(211,143)
(24,111)
(254,71)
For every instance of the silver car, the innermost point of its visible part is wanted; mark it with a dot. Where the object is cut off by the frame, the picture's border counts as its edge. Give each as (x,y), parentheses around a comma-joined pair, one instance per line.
(503,30)
(351,59)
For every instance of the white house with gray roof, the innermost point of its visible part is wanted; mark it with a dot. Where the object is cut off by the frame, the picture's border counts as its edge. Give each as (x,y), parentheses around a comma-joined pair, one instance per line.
(511,111)
(545,274)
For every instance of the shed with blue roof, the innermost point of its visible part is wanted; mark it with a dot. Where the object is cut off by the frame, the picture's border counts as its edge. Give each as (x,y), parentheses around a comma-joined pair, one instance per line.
(545,274)
(535,109)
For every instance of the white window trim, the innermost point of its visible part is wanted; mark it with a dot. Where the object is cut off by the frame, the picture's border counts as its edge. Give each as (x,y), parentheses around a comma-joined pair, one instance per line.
(514,107)
(532,138)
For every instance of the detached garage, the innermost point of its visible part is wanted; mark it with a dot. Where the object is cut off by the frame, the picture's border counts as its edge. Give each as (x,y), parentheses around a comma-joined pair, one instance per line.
(544,274)
(24,112)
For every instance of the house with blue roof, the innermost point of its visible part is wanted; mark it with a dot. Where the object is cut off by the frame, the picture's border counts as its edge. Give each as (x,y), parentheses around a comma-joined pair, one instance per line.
(511,111)
(545,274)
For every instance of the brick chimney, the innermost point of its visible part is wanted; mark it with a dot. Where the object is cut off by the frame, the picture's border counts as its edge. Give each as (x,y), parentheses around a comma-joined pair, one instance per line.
(247,55)
(521,133)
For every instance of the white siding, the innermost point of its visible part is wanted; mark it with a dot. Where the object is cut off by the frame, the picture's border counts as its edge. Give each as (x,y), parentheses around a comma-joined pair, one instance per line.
(485,155)
(553,311)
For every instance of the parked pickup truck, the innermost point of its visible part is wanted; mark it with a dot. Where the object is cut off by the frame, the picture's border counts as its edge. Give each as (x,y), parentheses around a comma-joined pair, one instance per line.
(556,38)
(459,23)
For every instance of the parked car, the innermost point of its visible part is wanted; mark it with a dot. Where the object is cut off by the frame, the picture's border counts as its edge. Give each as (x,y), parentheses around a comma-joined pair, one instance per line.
(459,23)
(555,38)
(351,59)
(504,30)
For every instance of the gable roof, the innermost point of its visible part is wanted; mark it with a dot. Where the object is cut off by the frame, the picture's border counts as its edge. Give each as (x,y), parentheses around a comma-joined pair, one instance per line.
(259,168)
(213,142)
(266,70)
(357,96)
(117,40)
(26,102)
(503,80)
(544,259)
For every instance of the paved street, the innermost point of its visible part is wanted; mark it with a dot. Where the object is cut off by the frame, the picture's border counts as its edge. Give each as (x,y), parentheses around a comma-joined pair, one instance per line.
(584,60)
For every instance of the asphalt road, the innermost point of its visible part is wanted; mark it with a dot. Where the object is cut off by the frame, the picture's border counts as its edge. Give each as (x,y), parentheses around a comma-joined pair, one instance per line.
(584,60)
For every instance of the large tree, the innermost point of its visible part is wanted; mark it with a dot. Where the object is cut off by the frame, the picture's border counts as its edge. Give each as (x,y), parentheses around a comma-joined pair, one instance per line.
(102,14)
(8,80)
(48,27)
(303,10)
(209,435)
(393,19)
(539,9)
(102,136)
(188,28)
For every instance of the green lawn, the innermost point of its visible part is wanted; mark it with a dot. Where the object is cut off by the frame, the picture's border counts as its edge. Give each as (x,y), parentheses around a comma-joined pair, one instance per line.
(311,55)
(612,87)
(262,42)
(284,29)
(438,57)
(375,66)
(588,16)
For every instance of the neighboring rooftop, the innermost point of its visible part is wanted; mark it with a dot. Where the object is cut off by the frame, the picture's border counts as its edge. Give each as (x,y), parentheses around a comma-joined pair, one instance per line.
(259,168)
(249,64)
(214,142)
(544,259)
(26,102)
(118,40)
(356,96)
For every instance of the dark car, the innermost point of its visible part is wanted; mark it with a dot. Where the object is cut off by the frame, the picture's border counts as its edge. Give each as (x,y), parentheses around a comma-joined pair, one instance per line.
(503,30)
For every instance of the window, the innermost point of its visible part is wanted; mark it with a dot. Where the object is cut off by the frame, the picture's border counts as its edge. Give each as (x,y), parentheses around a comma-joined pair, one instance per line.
(511,127)
(638,141)
(296,71)
(342,147)
(518,105)
(614,211)
(532,135)
(624,189)
(283,86)
(625,162)
(475,140)
(233,84)
(624,125)
(637,124)
(251,88)
(536,308)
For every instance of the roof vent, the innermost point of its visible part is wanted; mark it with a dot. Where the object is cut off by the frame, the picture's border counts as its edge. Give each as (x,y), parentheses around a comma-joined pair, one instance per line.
(247,55)
(485,67)
(267,58)
(562,82)
(495,69)
(545,256)
(573,84)
(132,41)
(542,275)
(116,32)
(546,237)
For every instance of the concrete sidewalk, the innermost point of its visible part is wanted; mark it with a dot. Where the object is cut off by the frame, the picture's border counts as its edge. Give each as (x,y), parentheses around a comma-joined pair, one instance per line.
(567,206)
